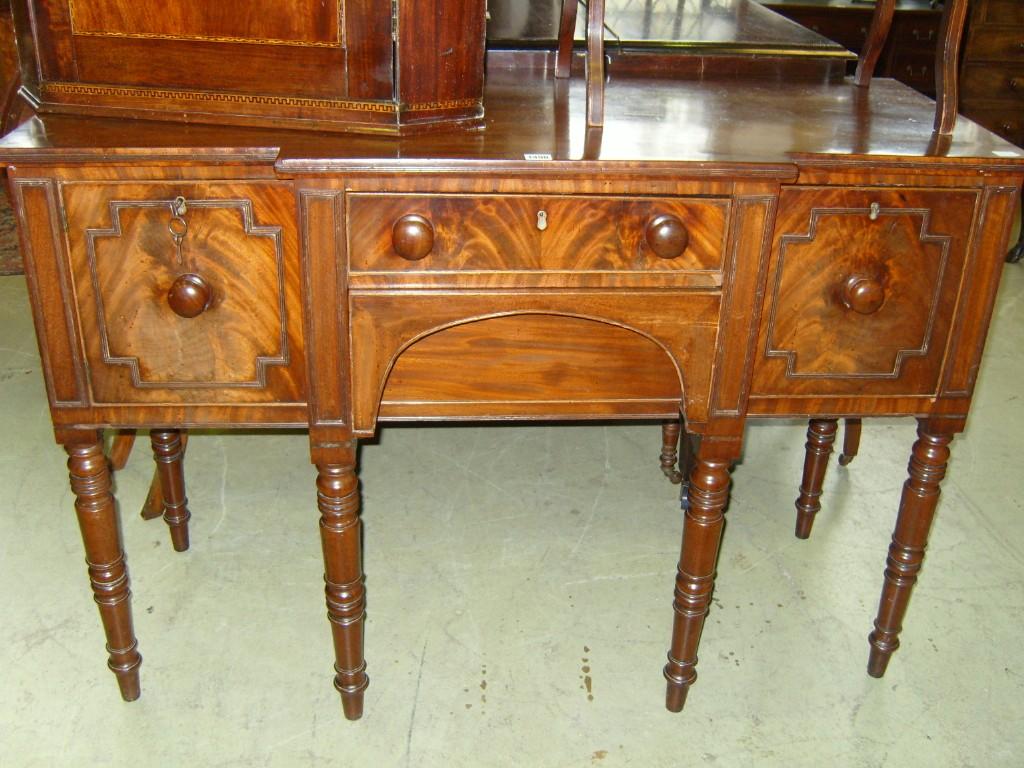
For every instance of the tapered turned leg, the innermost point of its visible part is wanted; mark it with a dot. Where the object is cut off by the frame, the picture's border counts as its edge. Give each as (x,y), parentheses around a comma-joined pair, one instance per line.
(821,434)
(906,553)
(153,506)
(338,500)
(97,518)
(670,431)
(702,531)
(169,455)
(851,441)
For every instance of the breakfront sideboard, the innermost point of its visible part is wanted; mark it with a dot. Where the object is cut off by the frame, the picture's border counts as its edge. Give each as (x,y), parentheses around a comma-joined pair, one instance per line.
(712,252)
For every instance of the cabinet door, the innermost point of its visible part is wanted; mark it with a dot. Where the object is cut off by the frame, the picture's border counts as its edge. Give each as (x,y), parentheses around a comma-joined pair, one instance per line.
(274,48)
(187,292)
(861,290)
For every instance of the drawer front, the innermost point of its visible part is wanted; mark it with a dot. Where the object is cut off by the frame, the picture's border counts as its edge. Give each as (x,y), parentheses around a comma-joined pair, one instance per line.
(861,288)
(545,354)
(994,81)
(914,69)
(515,234)
(997,44)
(1004,120)
(187,292)
(1002,12)
(916,31)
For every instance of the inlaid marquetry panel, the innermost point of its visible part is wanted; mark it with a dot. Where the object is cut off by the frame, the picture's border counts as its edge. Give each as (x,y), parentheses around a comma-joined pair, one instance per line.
(132,245)
(861,287)
(523,234)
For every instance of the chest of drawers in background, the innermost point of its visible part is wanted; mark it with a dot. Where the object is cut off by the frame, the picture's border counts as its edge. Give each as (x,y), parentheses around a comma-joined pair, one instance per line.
(992,91)
(909,54)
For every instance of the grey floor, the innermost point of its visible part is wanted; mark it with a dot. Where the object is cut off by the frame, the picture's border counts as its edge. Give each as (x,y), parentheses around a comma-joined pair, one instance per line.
(519,584)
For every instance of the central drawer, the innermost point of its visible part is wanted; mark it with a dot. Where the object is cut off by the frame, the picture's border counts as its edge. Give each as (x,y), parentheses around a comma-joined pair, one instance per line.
(399,239)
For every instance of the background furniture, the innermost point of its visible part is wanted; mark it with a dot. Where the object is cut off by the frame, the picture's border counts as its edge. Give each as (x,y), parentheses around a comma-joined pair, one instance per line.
(909,53)
(993,68)
(993,75)
(653,38)
(10,259)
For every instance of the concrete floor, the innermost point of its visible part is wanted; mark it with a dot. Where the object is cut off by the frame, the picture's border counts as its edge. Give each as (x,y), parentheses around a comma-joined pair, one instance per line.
(519,581)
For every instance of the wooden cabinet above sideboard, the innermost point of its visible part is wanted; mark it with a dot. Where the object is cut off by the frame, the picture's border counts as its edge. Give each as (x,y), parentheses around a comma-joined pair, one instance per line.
(339,64)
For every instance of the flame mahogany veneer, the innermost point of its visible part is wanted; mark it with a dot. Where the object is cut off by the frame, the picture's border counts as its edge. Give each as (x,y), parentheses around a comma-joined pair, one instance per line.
(723,250)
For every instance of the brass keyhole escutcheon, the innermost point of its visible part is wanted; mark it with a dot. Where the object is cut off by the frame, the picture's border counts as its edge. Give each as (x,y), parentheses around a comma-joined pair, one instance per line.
(177,225)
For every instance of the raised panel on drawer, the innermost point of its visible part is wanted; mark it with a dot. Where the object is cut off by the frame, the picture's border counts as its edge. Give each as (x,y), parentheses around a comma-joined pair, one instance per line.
(904,248)
(522,234)
(240,239)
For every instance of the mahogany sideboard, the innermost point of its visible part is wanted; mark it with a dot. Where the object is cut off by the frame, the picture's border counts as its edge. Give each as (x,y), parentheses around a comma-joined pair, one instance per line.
(725,250)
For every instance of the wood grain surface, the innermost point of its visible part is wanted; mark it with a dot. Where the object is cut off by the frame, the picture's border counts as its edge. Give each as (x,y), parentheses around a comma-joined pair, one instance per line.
(912,245)
(501,233)
(681,326)
(240,238)
(529,359)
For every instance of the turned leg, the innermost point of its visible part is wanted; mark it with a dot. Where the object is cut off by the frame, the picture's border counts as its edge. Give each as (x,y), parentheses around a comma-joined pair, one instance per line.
(670,431)
(906,553)
(153,506)
(168,454)
(851,441)
(821,433)
(702,530)
(338,500)
(97,518)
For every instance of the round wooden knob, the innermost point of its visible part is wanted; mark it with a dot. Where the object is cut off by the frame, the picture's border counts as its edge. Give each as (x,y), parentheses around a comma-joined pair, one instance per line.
(863,295)
(412,237)
(189,295)
(667,236)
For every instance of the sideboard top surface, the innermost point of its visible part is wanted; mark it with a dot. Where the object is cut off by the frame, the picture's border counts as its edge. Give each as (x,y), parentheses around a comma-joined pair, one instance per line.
(532,119)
